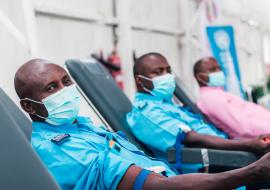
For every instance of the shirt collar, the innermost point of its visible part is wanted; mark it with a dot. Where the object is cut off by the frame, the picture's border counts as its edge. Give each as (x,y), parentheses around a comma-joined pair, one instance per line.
(68,128)
(144,96)
(203,88)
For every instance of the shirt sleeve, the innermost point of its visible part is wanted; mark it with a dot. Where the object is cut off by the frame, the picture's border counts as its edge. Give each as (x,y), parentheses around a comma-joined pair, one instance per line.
(65,168)
(155,128)
(105,172)
(211,103)
(225,112)
(81,168)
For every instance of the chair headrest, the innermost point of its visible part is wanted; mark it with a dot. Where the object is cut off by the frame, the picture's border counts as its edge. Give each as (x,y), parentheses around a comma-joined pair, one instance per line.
(100,88)
(8,107)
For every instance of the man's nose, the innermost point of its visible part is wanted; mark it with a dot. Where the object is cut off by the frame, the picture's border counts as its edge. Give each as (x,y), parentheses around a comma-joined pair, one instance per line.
(217,69)
(164,72)
(61,86)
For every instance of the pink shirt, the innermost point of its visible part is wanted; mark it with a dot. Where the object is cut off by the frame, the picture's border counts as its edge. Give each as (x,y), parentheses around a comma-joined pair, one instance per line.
(232,115)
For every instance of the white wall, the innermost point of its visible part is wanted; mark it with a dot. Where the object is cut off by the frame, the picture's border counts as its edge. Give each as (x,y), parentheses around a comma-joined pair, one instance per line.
(62,29)
(241,14)
(66,31)
(13,51)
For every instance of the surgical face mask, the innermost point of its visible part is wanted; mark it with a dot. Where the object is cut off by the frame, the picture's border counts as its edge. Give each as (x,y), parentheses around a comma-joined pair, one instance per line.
(217,79)
(164,86)
(62,106)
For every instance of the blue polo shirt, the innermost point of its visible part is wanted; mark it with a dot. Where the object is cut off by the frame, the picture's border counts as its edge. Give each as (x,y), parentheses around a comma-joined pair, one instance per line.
(82,156)
(157,122)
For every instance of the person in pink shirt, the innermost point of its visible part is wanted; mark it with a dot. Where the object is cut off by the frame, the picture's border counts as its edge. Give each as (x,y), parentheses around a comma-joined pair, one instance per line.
(231,114)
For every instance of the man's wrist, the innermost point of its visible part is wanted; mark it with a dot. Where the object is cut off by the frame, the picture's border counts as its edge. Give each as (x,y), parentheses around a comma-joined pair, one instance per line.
(256,147)
(248,145)
(254,172)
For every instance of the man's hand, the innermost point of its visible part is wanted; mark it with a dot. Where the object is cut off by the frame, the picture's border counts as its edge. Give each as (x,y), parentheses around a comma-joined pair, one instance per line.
(262,168)
(260,145)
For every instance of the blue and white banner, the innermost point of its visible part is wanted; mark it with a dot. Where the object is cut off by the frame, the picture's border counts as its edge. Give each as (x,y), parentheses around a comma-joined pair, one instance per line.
(222,43)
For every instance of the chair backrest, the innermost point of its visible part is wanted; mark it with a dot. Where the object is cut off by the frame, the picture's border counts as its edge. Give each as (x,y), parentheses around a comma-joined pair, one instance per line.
(110,101)
(20,167)
(112,104)
(182,96)
(16,113)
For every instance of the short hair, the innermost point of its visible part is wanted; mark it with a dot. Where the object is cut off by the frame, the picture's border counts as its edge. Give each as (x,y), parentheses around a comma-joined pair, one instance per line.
(139,62)
(22,79)
(198,65)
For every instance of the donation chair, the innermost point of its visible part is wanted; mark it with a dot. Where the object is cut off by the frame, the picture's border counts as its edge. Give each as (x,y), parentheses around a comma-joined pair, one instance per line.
(181,95)
(112,105)
(20,167)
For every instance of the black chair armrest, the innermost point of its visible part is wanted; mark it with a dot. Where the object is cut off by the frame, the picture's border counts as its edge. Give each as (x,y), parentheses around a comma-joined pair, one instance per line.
(214,157)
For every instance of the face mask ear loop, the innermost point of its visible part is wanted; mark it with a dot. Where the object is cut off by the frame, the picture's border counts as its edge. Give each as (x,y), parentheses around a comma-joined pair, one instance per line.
(37,103)
(32,100)
(41,116)
(202,81)
(146,78)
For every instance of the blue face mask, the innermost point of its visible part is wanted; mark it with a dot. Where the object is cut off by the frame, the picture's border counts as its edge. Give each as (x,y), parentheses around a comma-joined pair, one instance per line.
(217,79)
(164,86)
(62,106)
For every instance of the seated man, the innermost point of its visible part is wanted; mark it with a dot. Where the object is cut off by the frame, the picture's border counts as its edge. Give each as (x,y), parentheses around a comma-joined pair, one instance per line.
(236,117)
(161,124)
(82,156)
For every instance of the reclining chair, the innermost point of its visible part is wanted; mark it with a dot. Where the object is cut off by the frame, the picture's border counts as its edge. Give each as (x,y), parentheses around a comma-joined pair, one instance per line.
(20,166)
(182,96)
(103,94)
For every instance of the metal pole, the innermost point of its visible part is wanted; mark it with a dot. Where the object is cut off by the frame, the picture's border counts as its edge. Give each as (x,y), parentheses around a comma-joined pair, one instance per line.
(16,33)
(186,40)
(125,44)
(264,59)
(30,22)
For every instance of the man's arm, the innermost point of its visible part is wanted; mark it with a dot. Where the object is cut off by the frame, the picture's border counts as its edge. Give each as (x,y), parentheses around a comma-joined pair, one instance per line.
(258,171)
(256,145)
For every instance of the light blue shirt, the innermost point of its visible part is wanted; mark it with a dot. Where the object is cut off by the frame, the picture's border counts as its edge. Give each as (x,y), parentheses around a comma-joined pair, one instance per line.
(157,122)
(86,159)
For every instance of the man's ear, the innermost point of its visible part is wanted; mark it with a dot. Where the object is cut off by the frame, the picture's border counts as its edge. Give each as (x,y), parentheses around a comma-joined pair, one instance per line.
(27,107)
(202,79)
(138,80)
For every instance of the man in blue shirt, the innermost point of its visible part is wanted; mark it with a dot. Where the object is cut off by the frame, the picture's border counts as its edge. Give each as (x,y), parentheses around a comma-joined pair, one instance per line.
(160,123)
(82,156)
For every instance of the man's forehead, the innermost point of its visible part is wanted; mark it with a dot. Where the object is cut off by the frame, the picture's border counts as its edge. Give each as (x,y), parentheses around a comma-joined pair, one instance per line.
(46,69)
(154,62)
(51,67)
(208,63)
(46,73)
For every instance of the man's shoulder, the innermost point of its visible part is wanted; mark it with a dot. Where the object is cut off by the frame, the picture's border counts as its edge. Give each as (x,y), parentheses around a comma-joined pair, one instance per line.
(42,137)
(209,93)
(143,101)
(149,107)
(84,119)
(140,104)
(43,134)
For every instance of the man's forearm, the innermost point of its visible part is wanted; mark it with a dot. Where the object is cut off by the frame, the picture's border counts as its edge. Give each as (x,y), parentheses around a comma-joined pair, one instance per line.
(221,181)
(206,141)
(256,172)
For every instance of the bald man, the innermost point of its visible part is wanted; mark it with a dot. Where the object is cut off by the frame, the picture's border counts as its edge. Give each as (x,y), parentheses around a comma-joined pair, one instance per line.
(231,114)
(82,156)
